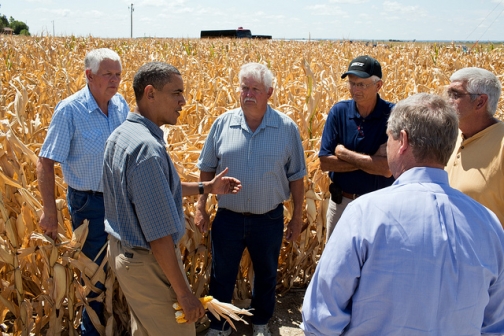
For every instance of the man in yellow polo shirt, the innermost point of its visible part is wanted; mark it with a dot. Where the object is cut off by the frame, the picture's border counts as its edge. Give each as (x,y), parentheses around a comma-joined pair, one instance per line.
(476,166)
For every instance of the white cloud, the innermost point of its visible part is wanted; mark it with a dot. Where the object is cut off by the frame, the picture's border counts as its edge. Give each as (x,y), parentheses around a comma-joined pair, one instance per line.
(276,17)
(147,20)
(353,2)
(390,6)
(45,2)
(326,10)
(151,3)
(94,14)
(63,12)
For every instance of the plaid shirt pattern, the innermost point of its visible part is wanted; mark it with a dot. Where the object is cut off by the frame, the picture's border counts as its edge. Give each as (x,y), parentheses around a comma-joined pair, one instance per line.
(77,134)
(142,190)
(265,161)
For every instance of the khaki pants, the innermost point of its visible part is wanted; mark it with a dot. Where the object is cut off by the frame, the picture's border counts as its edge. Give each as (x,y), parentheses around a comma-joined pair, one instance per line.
(334,212)
(147,290)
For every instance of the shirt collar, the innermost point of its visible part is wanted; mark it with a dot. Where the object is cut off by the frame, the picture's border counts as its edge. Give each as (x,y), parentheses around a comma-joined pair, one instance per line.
(93,105)
(480,134)
(270,119)
(152,127)
(377,113)
(423,175)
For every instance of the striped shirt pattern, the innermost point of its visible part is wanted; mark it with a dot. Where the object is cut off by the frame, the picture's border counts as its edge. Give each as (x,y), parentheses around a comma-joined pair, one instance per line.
(142,190)
(265,161)
(77,134)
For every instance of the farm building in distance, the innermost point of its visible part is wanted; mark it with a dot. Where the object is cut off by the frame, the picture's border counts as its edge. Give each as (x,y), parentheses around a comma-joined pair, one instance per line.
(232,33)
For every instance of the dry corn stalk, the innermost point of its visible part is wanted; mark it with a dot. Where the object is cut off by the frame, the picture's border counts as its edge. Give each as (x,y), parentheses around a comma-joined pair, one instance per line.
(37,72)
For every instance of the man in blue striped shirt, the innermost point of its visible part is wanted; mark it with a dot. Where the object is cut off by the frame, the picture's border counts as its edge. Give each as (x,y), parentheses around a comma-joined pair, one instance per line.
(76,139)
(143,207)
(262,147)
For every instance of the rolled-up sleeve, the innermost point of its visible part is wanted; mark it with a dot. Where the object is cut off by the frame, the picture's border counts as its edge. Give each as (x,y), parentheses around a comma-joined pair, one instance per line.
(59,135)
(208,160)
(296,168)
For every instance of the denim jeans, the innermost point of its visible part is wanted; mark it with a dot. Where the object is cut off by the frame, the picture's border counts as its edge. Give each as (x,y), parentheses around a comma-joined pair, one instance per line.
(84,205)
(262,235)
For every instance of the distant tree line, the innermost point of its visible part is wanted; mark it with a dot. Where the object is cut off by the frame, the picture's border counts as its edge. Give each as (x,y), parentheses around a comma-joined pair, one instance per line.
(19,27)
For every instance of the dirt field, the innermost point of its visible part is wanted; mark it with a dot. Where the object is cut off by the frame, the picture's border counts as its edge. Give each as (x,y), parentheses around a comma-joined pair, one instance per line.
(285,321)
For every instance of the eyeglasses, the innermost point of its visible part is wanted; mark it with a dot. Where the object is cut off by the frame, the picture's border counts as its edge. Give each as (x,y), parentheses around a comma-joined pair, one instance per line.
(359,86)
(456,95)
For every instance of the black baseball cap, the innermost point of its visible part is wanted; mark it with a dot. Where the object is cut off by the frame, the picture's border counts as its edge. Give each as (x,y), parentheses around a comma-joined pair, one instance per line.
(364,67)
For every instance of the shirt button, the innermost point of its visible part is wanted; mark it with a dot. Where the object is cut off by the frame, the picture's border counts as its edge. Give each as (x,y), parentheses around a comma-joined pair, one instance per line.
(461,147)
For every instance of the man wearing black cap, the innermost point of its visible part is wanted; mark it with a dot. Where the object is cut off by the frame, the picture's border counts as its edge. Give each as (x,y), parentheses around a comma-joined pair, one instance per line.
(353,147)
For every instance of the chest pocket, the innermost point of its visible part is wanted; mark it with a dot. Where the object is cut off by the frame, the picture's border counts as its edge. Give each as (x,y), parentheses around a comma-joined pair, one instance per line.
(91,142)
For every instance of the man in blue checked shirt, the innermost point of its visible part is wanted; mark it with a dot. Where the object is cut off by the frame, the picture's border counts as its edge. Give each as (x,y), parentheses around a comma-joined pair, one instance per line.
(416,258)
(76,139)
(143,207)
(262,147)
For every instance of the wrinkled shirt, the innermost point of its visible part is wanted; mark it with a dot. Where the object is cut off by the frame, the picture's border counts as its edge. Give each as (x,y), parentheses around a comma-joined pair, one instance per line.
(77,134)
(143,193)
(265,161)
(476,167)
(415,258)
(345,126)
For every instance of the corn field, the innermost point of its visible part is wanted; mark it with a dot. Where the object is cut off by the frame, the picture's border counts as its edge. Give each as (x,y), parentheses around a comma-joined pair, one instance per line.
(44,284)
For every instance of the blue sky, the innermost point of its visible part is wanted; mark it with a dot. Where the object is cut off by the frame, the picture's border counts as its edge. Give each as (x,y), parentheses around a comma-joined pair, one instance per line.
(329,19)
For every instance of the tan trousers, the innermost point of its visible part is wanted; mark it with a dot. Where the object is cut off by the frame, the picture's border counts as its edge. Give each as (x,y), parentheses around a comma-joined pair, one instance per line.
(334,212)
(147,290)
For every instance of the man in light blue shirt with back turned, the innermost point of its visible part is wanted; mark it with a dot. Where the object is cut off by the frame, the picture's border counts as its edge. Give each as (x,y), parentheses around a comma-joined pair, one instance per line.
(415,258)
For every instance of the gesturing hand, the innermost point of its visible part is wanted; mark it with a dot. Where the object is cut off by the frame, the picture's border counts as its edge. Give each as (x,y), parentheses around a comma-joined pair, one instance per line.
(222,184)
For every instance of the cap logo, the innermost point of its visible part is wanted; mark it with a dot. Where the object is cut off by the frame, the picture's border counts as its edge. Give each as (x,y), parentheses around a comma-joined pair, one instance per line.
(357,64)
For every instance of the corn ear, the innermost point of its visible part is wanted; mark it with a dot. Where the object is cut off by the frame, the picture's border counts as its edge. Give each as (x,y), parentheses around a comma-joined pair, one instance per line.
(60,284)
(5,253)
(18,278)
(11,233)
(180,317)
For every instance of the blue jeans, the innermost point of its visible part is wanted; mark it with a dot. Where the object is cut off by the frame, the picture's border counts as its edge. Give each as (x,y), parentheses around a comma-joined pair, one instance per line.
(83,205)
(262,235)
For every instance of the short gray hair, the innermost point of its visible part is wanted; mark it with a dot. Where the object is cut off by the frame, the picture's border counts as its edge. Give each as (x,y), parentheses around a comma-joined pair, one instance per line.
(157,74)
(480,81)
(431,123)
(94,58)
(258,72)
(375,78)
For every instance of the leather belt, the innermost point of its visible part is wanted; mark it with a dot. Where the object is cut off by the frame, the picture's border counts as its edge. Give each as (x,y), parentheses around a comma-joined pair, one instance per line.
(91,192)
(251,213)
(350,196)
